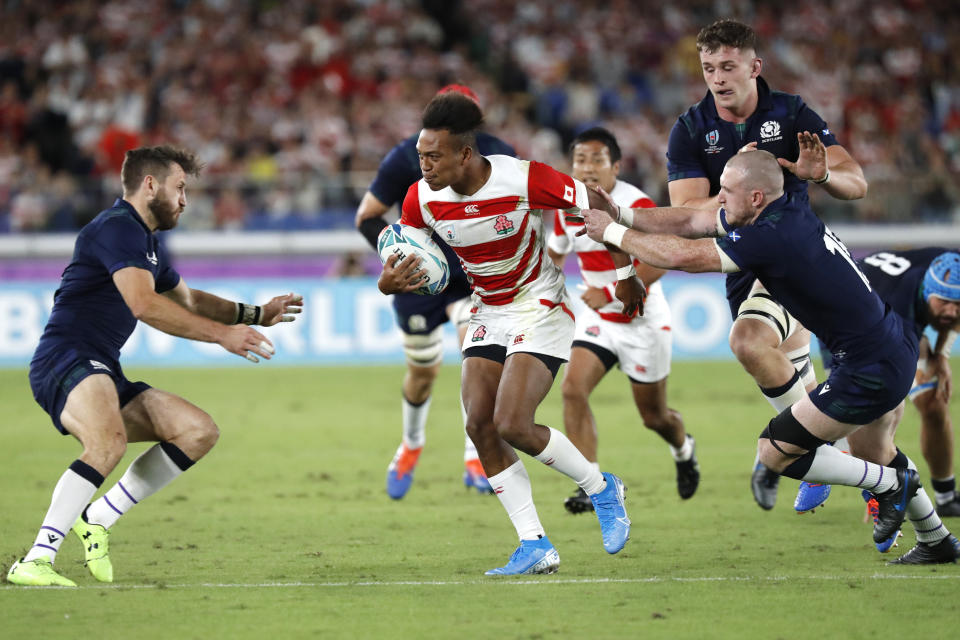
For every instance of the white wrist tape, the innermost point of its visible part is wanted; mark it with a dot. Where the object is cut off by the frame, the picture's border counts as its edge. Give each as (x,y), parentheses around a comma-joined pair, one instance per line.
(948,343)
(626,272)
(824,179)
(626,217)
(613,234)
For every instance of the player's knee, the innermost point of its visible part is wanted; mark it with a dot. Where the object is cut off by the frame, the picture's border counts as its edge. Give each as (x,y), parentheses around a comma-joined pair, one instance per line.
(655,418)
(573,391)
(479,430)
(747,348)
(787,437)
(200,436)
(423,350)
(511,425)
(105,450)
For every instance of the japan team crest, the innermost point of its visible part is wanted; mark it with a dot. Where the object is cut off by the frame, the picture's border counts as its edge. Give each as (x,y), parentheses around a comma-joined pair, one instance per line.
(593,331)
(479,334)
(503,225)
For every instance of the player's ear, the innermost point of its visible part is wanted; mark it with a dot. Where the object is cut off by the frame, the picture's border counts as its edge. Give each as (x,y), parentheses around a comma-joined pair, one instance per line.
(466,153)
(757,65)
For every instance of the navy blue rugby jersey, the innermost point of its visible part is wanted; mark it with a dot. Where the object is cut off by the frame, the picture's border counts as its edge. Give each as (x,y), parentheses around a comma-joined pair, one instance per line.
(400,168)
(810,272)
(701,142)
(897,276)
(89,313)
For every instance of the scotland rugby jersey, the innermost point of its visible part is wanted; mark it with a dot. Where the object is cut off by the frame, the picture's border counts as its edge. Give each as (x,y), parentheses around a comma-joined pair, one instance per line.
(89,313)
(400,168)
(701,142)
(809,271)
(896,276)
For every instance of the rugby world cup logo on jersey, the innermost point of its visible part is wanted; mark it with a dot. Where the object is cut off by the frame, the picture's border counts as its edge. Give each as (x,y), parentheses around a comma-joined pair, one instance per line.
(770,131)
(713,137)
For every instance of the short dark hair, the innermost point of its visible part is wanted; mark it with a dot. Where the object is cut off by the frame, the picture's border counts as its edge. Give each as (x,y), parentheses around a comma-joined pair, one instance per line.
(601,135)
(156,162)
(727,33)
(456,113)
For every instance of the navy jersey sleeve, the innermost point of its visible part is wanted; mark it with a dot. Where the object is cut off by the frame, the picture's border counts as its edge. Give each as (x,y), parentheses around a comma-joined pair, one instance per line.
(810,120)
(398,170)
(754,247)
(683,157)
(120,242)
(489,145)
(167,276)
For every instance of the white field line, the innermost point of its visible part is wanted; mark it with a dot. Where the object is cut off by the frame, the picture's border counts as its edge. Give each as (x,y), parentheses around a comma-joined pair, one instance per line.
(524,582)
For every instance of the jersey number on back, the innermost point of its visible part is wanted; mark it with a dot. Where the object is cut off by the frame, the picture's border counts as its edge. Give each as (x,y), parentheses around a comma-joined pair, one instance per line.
(836,247)
(889,263)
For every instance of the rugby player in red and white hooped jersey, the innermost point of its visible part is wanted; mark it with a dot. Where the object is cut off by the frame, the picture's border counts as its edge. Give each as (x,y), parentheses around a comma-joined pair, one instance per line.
(605,335)
(489,211)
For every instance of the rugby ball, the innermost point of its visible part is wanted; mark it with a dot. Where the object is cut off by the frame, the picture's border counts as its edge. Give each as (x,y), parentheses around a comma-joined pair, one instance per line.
(402,240)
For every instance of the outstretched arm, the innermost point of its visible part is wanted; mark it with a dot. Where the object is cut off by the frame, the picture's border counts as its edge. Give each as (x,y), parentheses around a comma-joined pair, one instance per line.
(278,309)
(369,218)
(136,287)
(833,168)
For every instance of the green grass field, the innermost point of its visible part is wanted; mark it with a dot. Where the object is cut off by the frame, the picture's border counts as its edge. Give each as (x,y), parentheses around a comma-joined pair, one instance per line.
(285,528)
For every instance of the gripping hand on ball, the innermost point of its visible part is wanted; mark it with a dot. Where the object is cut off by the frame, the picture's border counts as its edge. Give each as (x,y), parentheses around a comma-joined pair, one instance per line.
(400,276)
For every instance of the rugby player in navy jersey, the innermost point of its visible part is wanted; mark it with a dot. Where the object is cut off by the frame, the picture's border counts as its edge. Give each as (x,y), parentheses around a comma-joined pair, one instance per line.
(923,286)
(421,318)
(120,274)
(739,111)
(774,234)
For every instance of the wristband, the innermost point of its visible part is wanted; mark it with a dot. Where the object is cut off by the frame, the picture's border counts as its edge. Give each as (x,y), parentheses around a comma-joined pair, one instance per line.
(824,179)
(248,314)
(948,344)
(626,272)
(614,233)
(626,217)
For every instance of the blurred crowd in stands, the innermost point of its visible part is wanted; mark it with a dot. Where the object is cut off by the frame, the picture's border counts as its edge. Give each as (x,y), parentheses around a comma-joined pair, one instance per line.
(292,104)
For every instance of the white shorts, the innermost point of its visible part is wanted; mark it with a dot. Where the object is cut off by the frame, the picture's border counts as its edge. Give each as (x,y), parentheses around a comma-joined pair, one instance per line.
(642,347)
(530,325)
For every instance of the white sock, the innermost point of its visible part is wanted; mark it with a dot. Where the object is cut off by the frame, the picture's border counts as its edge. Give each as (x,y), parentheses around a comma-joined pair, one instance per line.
(596,466)
(842,445)
(561,455)
(512,487)
(415,423)
(832,466)
(150,472)
(783,398)
(923,516)
(72,493)
(469,449)
(683,453)
(801,362)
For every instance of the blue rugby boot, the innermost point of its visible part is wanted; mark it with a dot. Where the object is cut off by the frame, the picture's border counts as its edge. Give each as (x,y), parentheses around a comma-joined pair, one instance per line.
(400,471)
(532,556)
(474,477)
(810,496)
(612,514)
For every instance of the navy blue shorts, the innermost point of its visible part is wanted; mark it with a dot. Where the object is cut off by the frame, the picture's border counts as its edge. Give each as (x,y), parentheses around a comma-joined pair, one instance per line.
(53,377)
(861,393)
(422,314)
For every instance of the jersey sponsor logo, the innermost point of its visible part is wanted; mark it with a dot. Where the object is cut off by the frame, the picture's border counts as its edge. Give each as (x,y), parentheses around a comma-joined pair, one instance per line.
(713,138)
(479,334)
(152,258)
(593,331)
(518,339)
(770,131)
(503,225)
(99,365)
(471,208)
(52,538)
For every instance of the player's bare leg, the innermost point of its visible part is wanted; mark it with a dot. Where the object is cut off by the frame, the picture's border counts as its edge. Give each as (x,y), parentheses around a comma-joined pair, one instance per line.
(92,415)
(581,376)
(651,401)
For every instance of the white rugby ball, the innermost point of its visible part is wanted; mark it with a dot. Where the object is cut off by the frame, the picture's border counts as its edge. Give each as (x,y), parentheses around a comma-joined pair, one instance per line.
(403,240)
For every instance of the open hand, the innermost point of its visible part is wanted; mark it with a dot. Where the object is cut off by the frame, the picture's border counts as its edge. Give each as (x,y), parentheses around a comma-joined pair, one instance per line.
(281,309)
(812,162)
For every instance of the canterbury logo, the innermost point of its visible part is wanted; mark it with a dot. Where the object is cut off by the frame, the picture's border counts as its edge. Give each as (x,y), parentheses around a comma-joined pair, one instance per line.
(471,208)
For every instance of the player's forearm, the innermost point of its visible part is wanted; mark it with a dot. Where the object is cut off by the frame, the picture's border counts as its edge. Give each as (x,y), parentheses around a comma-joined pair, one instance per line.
(213,307)
(168,316)
(685,222)
(666,251)
(846,181)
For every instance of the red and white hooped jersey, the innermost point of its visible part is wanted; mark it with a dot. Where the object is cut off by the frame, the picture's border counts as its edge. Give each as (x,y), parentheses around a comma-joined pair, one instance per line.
(498,231)
(596,265)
